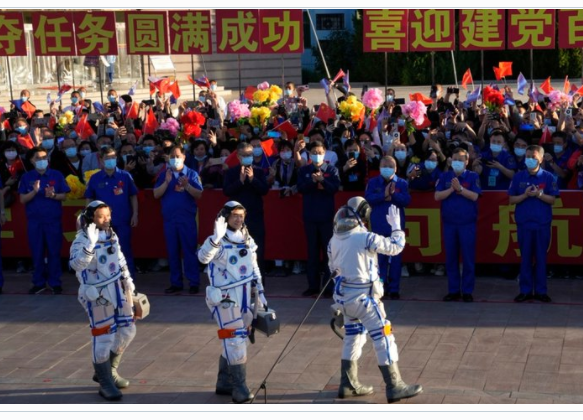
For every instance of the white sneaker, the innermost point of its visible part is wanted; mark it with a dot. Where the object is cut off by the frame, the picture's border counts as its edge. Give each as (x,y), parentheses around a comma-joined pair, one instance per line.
(404,271)
(440,270)
(297,268)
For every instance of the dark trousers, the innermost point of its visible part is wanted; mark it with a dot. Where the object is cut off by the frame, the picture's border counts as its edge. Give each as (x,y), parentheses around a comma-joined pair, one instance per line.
(124,234)
(318,235)
(533,242)
(460,239)
(181,238)
(45,238)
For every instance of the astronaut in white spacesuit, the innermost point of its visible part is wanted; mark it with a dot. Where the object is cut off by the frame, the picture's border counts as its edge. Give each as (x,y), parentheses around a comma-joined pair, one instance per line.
(233,273)
(105,291)
(357,293)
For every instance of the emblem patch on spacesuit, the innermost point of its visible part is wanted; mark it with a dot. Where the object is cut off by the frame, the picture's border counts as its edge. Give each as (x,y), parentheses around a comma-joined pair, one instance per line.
(243,269)
(102,259)
(233,260)
(112,267)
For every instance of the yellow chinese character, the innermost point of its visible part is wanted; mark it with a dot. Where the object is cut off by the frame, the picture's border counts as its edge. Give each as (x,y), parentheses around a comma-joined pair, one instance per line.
(286,29)
(42,33)
(92,32)
(575,27)
(146,33)
(480,28)
(7,234)
(531,26)
(11,34)
(192,31)
(387,31)
(237,32)
(564,249)
(506,228)
(433,30)
(431,224)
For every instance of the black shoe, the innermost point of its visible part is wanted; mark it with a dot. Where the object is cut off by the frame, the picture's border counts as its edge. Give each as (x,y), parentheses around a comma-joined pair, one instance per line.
(543,298)
(57,290)
(0,290)
(310,292)
(451,296)
(522,297)
(467,297)
(35,290)
(328,293)
(193,290)
(394,296)
(173,290)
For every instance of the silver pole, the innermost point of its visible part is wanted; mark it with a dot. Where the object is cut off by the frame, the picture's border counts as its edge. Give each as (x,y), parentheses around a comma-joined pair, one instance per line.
(203,66)
(282,72)
(9,77)
(321,54)
(454,69)
(239,67)
(386,73)
(192,70)
(72,71)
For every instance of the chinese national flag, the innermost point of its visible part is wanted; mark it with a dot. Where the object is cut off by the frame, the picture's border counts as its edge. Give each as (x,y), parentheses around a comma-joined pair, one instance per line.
(546,86)
(421,98)
(175,89)
(567,85)
(133,112)
(325,113)
(83,128)
(426,123)
(6,125)
(546,137)
(339,75)
(151,123)
(152,88)
(249,91)
(498,73)
(28,109)
(288,129)
(467,79)
(269,147)
(232,160)
(505,68)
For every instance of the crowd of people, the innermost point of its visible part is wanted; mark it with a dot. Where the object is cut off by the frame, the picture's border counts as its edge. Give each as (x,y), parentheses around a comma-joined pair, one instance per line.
(271,138)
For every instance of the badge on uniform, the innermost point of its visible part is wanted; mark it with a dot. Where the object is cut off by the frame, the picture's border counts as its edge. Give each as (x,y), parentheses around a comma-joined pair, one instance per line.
(118,191)
(102,259)
(178,188)
(233,260)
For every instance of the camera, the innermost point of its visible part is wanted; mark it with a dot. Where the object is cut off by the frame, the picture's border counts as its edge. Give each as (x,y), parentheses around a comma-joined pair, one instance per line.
(433,92)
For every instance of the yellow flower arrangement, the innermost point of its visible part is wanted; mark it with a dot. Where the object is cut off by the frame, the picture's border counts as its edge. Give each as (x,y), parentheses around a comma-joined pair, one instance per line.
(351,108)
(63,121)
(77,188)
(88,174)
(261,96)
(69,116)
(259,116)
(275,93)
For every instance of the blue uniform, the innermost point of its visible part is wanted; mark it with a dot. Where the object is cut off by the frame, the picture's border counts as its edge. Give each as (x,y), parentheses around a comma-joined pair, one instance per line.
(179,214)
(561,162)
(318,214)
(492,178)
(375,195)
(427,180)
(45,231)
(459,216)
(115,191)
(533,221)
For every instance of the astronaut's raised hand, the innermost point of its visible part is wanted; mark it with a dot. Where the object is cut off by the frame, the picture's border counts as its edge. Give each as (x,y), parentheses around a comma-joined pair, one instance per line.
(93,235)
(394,218)
(220,229)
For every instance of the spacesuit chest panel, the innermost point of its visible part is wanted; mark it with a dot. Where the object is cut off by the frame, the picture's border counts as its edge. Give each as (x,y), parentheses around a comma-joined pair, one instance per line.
(107,261)
(239,261)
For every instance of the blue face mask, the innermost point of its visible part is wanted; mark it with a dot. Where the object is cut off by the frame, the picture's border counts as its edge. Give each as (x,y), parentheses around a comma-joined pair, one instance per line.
(490,130)
(110,132)
(74,100)
(401,122)
(531,163)
(343,140)
(71,152)
(22,130)
(356,155)
(387,172)
(24,99)
(213,87)
(257,151)
(186,147)
(496,148)
(110,163)
(548,121)
(148,149)
(175,163)
(458,166)
(317,159)
(41,165)
(519,151)
(247,160)
(85,152)
(288,92)
(286,155)
(200,158)
(389,98)
(73,135)
(430,165)
(401,154)
(48,143)
(111,99)
(557,148)
(103,146)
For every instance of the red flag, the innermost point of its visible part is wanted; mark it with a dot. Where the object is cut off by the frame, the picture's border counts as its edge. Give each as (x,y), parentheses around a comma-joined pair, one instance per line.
(467,79)
(574,88)
(505,68)
(175,89)
(420,97)
(339,76)
(426,123)
(546,86)
(269,147)
(373,122)
(249,91)
(192,82)
(567,85)
(497,73)
(232,160)
(546,137)
(151,123)
(152,88)
(362,117)
(83,128)
(134,110)
(325,113)
(6,125)
(28,108)
(288,129)
(64,88)
(580,91)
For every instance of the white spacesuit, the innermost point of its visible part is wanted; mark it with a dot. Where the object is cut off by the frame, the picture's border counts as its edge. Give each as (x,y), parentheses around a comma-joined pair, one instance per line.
(105,292)
(233,273)
(352,252)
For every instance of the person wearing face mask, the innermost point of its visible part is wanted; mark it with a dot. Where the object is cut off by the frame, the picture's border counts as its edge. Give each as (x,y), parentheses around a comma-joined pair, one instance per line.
(24,137)
(117,189)
(353,169)
(382,192)
(67,160)
(105,292)
(11,169)
(135,165)
(42,191)
(94,161)
(519,151)
(425,175)
(76,103)
(458,190)
(214,173)
(283,173)
(533,191)
(247,184)
(496,166)
(318,182)
(557,162)
(48,143)
(199,157)
(179,189)
(400,153)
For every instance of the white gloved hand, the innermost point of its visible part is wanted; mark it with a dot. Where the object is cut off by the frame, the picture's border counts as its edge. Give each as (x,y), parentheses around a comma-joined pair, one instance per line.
(93,235)
(128,284)
(394,218)
(262,299)
(220,229)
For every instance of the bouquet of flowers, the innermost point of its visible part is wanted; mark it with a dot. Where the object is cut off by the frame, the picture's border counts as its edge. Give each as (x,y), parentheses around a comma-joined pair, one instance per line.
(373,99)
(415,113)
(266,95)
(171,125)
(493,99)
(77,188)
(239,112)
(259,115)
(192,122)
(559,99)
(352,109)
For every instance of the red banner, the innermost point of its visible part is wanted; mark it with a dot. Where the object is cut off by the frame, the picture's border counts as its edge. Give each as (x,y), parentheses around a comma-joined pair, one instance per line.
(95,33)
(531,29)
(147,33)
(570,28)
(12,40)
(282,31)
(432,29)
(53,33)
(482,29)
(496,240)
(238,31)
(386,30)
(190,32)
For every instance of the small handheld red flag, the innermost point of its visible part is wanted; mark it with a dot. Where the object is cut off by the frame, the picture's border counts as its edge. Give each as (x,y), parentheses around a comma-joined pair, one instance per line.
(467,79)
